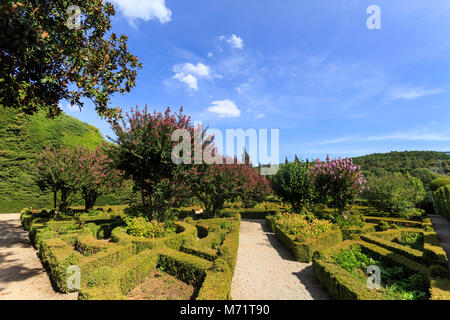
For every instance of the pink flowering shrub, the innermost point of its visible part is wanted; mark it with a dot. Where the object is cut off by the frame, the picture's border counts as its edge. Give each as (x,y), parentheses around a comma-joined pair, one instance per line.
(94,174)
(213,184)
(338,179)
(69,170)
(142,150)
(55,170)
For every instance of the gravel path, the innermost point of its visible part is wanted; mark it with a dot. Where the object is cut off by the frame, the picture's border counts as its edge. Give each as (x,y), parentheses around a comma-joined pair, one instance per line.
(22,276)
(265,270)
(442,228)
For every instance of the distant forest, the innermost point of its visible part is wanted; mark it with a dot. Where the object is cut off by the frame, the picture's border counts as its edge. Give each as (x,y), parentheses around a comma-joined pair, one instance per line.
(405,162)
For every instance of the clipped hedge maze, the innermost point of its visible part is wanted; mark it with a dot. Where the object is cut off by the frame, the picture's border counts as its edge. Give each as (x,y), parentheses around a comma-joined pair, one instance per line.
(426,257)
(202,253)
(303,251)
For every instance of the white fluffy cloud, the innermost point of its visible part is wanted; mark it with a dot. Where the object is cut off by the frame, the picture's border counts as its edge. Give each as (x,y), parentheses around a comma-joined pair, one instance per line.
(225,108)
(189,80)
(189,74)
(235,41)
(144,9)
(199,70)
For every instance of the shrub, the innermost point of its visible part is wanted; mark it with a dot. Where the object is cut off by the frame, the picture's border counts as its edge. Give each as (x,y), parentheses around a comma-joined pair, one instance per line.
(439,183)
(302,225)
(141,227)
(395,193)
(214,184)
(337,179)
(143,151)
(426,176)
(302,244)
(441,199)
(292,184)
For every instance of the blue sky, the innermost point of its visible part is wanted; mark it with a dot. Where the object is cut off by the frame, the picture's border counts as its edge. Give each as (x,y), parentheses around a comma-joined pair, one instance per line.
(311,69)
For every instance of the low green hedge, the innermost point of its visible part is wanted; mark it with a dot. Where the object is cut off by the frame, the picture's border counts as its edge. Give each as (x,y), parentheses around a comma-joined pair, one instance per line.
(186,232)
(440,289)
(256,213)
(441,200)
(356,232)
(439,183)
(433,253)
(406,251)
(342,285)
(397,221)
(87,245)
(217,283)
(186,267)
(109,270)
(339,283)
(57,256)
(107,283)
(303,251)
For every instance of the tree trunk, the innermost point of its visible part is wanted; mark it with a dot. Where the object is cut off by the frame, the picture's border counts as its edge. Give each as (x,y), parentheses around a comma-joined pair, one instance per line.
(89,199)
(55,194)
(64,195)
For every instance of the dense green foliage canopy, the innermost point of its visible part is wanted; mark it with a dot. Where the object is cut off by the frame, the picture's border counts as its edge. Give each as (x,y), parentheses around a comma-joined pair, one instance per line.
(405,161)
(395,193)
(44,59)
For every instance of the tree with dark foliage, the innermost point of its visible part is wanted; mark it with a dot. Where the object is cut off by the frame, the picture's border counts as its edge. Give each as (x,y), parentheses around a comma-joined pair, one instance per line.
(44,58)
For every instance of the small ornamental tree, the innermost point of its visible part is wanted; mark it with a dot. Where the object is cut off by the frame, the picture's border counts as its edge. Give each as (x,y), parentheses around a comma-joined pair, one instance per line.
(142,150)
(214,184)
(56,170)
(293,184)
(338,179)
(253,187)
(94,174)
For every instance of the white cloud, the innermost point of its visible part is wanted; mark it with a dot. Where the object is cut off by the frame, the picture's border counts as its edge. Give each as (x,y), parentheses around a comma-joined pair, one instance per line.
(411,136)
(259,115)
(188,79)
(200,69)
(235,41)
(210,54)
(144,9)
(225,108)
(69,108)
(189,74)
(416,135)
(409,94)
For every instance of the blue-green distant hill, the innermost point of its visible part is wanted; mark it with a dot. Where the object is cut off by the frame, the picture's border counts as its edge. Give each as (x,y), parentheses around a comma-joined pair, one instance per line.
(22,137)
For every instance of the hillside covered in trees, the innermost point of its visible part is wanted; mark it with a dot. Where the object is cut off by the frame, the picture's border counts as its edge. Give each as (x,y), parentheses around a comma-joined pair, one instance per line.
(405,161)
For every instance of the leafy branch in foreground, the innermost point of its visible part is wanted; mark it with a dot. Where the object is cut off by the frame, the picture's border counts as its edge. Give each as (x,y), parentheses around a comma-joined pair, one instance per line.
(43,61)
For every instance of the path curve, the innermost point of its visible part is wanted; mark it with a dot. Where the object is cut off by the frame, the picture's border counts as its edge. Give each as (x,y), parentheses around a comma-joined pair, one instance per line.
(265,270)
(22,276)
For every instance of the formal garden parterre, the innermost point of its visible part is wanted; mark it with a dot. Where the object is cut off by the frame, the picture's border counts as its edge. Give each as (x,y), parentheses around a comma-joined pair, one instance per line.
(112,262)
(182,219)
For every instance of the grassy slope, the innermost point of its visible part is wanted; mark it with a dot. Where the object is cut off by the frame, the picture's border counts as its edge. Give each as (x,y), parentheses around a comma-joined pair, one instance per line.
(22,137)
